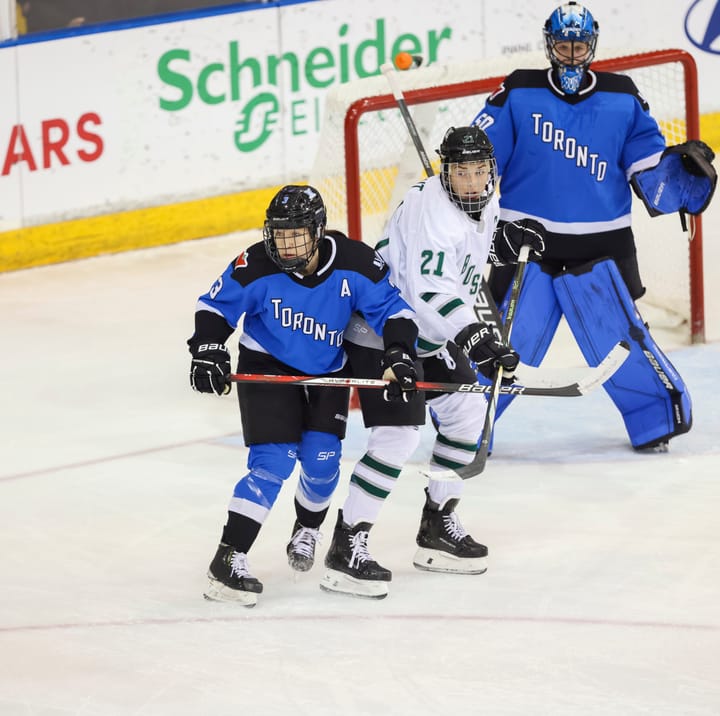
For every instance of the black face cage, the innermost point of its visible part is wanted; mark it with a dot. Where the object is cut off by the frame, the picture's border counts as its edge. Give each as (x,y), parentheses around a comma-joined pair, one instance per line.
(317,231)
(471,205)
(558,62)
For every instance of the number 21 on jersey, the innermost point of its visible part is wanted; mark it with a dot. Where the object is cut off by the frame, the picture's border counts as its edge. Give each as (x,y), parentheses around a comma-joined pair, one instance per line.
(432,262)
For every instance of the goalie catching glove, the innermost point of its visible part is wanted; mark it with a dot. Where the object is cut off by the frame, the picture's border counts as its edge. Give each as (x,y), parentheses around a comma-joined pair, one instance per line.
(210,368)
(479,344)
(511,237)
(399,369)
(684,180)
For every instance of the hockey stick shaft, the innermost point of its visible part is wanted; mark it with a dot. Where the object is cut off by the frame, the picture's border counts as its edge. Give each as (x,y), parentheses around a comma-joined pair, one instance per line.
(389,71)
(592,379)
(374,383)
(569,390)
(480,459)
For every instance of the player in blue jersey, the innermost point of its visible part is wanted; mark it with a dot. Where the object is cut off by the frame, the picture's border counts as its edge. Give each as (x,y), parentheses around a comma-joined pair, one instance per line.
(296,291)
(569,143)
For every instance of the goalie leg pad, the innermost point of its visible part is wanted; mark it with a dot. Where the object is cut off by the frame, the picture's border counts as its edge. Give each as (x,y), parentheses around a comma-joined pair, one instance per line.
(537,316)
(646,389)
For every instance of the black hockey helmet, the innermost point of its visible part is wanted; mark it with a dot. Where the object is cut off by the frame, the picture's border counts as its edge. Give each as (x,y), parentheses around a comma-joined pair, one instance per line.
(462,146)
(295,207)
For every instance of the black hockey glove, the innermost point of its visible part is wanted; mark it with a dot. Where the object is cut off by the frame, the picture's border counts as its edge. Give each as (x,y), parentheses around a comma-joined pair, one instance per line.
(399,369)
(511,237)
(479,344)
(210,368)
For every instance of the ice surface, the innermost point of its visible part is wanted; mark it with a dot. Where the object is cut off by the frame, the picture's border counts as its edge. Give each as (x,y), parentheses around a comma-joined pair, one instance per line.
(602,595)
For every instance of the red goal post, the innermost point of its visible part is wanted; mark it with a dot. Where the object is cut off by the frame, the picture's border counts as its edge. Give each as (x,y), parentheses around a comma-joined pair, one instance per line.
(380,162)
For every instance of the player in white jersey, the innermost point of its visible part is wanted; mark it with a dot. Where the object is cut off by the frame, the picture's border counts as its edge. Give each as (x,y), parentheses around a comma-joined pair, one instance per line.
(436,244)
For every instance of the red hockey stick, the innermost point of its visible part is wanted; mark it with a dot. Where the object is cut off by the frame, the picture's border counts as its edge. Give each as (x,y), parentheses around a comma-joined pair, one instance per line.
(590,379)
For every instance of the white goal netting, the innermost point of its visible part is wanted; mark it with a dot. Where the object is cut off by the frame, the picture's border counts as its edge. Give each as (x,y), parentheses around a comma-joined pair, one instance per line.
(366,159)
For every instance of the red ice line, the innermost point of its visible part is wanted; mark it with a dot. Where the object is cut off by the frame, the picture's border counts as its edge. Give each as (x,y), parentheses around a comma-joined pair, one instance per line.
(110,458)
(380,617)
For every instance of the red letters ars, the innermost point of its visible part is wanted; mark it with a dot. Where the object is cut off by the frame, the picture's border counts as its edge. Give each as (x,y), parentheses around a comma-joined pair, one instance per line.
(55,134)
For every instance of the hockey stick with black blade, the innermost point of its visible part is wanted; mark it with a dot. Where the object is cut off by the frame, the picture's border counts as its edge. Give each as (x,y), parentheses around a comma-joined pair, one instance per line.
(591,379)
(480,459)
(485,308)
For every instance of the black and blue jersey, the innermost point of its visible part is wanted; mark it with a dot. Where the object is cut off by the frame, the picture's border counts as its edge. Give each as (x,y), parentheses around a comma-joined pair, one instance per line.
(300,320)
(581,148)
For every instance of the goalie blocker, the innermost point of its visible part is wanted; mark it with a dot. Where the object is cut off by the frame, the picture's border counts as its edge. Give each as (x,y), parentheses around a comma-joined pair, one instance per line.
(646,389)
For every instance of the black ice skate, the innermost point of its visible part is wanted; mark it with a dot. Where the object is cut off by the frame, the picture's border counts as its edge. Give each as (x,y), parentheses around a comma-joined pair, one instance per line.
(443,544)
(350,568)
(230,578)
(301,548)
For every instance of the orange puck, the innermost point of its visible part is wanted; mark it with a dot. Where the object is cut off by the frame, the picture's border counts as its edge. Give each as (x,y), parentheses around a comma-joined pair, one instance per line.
(403,60)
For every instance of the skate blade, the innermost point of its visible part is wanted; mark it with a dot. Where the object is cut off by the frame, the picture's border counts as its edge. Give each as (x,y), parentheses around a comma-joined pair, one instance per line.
(431,560)
(219,592)
(340,583)
(300,567)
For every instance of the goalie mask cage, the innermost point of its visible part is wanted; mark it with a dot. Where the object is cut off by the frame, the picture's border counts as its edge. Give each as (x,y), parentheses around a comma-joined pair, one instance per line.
(366,159)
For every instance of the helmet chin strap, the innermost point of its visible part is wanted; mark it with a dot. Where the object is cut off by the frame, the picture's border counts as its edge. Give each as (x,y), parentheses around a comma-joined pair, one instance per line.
(308,260)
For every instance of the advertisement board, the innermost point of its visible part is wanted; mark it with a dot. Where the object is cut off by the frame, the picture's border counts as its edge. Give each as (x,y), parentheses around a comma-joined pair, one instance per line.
(155,114)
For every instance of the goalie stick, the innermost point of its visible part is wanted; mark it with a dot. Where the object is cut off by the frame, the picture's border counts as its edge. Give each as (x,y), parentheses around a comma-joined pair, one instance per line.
(485,309)
(549,386)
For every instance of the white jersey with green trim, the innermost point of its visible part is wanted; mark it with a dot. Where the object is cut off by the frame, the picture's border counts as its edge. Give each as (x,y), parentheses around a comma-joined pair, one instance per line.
(437,255)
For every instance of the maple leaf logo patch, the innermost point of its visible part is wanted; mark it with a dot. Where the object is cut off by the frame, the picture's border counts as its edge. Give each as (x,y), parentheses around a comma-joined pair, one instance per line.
(241,261)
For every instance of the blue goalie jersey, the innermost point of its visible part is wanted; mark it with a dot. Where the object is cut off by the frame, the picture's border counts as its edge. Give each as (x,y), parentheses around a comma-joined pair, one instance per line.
(300,320)
(582,147)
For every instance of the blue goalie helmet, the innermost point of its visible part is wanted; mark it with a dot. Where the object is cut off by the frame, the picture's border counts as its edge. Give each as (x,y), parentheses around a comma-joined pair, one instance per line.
(571,35)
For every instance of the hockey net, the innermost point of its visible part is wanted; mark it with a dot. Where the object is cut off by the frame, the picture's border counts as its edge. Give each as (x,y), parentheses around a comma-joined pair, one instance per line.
(366,159)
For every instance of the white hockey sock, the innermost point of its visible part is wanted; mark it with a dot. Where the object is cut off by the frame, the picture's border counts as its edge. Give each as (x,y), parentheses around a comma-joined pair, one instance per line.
(451,453)
(441,491)
(375,475)
(460,418)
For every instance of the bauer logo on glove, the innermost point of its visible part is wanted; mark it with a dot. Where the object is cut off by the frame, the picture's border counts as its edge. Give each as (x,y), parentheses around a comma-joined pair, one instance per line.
(684,180)
(210,368)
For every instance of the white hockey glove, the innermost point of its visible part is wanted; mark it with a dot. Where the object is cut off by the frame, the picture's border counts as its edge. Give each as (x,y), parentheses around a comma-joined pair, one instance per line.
(399,369)
(511,237)
(479,344)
